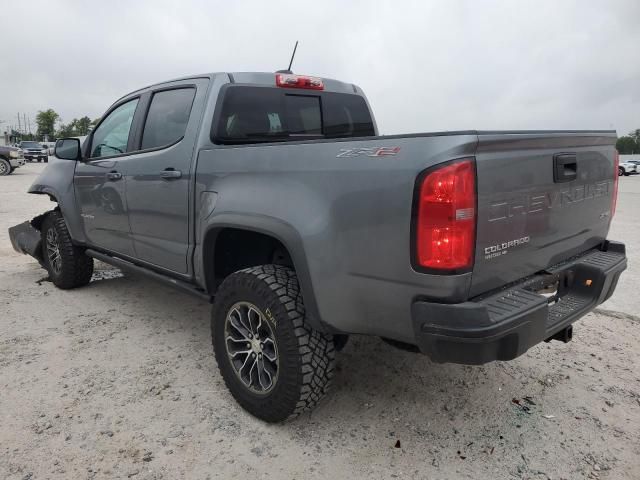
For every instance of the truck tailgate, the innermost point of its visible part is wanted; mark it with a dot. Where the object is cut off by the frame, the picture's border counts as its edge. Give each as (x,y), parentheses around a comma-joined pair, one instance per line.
(542,198)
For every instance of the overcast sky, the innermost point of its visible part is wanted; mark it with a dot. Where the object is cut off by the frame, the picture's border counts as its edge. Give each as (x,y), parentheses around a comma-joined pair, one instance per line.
(425,66)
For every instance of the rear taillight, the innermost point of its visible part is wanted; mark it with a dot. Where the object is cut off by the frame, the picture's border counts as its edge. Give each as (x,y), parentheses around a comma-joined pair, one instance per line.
(445,222)
(616,165)
(299,81)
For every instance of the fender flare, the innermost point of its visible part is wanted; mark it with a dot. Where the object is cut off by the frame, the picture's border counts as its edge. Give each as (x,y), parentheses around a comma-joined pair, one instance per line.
(281,231)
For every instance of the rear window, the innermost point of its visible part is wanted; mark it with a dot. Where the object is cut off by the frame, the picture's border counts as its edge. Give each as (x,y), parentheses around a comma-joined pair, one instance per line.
(262,114)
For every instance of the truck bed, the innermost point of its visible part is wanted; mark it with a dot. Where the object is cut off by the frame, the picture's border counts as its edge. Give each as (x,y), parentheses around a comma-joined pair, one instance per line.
(350,204)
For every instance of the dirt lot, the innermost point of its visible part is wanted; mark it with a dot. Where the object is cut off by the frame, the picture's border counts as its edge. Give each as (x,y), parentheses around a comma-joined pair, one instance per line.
(118,380)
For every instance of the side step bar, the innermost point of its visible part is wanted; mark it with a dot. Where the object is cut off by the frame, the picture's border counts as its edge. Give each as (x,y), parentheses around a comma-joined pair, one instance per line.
(132,267)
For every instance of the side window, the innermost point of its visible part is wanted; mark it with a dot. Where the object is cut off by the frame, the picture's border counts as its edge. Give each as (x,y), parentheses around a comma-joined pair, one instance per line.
(167,117)
(112,135)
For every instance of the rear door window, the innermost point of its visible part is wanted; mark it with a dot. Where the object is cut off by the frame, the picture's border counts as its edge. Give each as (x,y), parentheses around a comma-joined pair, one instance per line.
(263,114)
(167,117)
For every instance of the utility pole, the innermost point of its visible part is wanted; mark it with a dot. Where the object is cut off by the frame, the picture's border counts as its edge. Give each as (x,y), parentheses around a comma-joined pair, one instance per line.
(24,117)
(19,126)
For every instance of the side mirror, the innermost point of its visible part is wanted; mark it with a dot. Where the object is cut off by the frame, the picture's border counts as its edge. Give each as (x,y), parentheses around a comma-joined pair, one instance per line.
(67,149)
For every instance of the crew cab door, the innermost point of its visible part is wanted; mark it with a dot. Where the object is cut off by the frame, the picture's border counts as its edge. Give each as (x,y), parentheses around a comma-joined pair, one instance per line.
(158,175)
(99,183)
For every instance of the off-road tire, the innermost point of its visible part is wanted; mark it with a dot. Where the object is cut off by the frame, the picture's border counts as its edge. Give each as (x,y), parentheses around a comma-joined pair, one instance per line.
(5,167)
(76,268)
(306,357)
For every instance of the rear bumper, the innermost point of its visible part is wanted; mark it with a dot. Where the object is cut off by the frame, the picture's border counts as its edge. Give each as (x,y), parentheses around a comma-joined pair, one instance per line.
(505,324)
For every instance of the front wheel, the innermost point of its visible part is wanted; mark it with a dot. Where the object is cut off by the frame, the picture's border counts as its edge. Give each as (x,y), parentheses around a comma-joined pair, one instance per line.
(5,167)
(68,266)
(273,362)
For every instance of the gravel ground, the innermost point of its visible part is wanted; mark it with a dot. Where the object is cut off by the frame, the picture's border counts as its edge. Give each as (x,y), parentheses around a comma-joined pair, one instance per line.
(118,380)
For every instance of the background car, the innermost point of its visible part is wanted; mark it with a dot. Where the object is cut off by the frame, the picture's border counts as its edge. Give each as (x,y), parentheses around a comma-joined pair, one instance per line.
(34,151)
(629,167)
(50,146)
(10,159)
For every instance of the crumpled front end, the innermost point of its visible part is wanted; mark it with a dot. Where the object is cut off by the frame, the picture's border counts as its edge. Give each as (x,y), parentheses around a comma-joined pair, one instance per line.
(26,238)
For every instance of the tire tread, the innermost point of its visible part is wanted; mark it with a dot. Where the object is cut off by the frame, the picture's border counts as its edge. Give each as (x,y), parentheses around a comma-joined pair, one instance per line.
(315,349)
(77,268)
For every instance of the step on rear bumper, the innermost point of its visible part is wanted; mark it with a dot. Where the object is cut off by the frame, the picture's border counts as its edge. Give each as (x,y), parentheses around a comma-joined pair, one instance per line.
(505,324)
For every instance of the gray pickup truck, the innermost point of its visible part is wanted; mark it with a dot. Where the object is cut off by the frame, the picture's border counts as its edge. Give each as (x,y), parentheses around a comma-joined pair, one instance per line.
(273,196)
(35,151)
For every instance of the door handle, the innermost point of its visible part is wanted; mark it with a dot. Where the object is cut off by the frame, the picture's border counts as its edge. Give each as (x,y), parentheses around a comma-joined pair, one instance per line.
(113,176)
(170,174)
(565,167)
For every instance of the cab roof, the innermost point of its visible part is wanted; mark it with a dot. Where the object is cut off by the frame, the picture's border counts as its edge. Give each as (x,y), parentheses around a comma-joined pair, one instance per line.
(255,78)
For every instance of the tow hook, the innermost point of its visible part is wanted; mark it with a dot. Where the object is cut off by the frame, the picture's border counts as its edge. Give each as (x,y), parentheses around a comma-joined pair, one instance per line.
(565,335)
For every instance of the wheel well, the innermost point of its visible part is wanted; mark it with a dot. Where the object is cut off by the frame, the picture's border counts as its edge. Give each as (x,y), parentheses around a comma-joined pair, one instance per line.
(231,249)
(36,222)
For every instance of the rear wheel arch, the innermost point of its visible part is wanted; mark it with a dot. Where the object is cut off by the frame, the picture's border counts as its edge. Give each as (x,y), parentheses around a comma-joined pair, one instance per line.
(278,244)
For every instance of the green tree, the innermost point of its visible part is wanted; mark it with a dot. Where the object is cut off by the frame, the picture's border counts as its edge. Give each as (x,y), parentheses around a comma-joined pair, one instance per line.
(67,130)
(629,144)
(46,120)
(82,125)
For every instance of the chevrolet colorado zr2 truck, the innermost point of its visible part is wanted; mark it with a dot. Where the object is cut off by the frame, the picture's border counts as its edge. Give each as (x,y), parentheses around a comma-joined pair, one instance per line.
(274,197)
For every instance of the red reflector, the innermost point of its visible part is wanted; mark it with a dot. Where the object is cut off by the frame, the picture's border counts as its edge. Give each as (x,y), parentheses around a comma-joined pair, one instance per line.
(299,81)
(446,221)
(616,165)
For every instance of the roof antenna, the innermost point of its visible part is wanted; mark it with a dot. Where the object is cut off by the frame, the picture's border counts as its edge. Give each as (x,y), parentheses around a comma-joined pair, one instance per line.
(288,70)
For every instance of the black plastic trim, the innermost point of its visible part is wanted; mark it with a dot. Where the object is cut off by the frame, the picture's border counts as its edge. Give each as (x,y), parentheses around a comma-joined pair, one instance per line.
(507,322)
(560,163)
(167,280)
